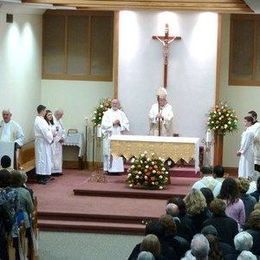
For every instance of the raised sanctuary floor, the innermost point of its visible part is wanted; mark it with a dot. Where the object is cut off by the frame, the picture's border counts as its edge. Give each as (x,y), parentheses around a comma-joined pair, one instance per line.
(109,207)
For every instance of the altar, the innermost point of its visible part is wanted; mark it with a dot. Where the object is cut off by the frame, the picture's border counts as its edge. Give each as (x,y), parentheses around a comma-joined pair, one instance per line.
(174,148)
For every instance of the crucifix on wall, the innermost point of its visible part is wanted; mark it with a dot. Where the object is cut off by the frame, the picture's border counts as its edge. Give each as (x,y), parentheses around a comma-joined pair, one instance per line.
(166,40)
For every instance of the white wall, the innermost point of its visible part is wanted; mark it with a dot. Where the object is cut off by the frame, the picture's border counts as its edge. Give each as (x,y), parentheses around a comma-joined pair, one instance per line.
(20,67)
(192,67)
(241,98)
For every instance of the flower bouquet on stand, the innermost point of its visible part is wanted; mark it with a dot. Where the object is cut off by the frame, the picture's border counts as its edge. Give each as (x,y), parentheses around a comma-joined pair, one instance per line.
(222,119)
(147,172)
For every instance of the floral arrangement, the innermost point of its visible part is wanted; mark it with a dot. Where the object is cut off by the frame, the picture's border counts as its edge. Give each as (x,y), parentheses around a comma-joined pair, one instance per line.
(103,106)
(147,172)
(222,119)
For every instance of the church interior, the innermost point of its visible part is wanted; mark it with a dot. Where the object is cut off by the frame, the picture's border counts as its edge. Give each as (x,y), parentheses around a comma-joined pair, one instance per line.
(72,54)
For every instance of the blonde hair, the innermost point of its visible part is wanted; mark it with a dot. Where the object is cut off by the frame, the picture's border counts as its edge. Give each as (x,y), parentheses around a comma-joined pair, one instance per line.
(195,202)
(151,244)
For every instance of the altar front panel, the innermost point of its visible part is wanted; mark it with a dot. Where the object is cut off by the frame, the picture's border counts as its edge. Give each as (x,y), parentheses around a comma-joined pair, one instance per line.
(175,148)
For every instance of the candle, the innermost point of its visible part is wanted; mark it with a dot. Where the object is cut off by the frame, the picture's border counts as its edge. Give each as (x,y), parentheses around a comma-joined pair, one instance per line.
(208,136)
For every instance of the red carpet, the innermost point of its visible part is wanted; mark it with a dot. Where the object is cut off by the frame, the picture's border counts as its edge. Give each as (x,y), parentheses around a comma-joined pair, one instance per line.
(110,207)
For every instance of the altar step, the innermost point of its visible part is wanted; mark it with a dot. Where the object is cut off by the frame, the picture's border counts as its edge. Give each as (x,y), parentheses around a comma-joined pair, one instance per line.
(116,186)
(69,222)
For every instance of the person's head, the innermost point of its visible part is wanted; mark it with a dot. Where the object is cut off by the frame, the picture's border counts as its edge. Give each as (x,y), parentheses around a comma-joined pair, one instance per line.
(162,101)
(209,230)
(172,210)
(206,170)
(248,121)
(253,221)
(195,202)
(6,115)
(115,104)
(218,207)
(41,110)
(155,227)
(151,244)
(58,114)
(253,114)
(180,203)
(208,194)
(243,241)
(168,224)
(145,255)
(243,185)
(17,179)
(48,117)
(215,251)
(200,247)
(218,171)
(246,255)
(229,190)
(4,178)
(6,161)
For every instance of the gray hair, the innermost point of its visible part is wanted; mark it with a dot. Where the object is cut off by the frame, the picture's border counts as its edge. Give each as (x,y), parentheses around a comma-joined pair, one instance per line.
(243,241)
(145,255)
(246,255)
(188,256)
(200,247)
(172,209)
(7,111)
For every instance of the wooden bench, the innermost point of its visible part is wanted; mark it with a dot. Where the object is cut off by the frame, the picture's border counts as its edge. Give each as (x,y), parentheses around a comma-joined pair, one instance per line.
(27,157)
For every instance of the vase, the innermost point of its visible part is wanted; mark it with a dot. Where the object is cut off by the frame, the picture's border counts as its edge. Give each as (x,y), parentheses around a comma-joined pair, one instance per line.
(218,149)
(99,133)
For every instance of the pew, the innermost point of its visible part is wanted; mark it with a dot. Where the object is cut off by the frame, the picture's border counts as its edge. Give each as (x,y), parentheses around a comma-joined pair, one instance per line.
(26,160)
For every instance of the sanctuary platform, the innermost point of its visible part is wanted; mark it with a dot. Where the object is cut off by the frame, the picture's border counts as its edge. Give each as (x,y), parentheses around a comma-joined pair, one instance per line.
(109,207)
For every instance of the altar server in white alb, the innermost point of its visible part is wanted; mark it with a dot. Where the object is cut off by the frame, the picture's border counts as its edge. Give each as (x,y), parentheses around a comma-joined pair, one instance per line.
(10,131)
(43,141)
(114,122)
(246,153)
(161,115)
(57,144)
(256,146)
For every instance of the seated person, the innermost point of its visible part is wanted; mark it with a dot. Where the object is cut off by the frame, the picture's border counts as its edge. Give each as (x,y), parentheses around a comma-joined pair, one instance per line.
(6,163)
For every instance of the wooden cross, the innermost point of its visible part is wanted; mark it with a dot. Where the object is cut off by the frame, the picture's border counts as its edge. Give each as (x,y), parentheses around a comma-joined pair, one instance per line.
(166,40)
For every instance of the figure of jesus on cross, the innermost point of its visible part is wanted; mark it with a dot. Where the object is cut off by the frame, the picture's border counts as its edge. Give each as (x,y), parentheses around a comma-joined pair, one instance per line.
(166,40)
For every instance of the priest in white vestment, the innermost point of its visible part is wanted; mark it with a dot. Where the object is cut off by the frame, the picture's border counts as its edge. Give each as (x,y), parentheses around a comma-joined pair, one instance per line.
(246,153)
(114,122)
(43,141)
(256,145)
(57,144)
(161,116)
(10,131)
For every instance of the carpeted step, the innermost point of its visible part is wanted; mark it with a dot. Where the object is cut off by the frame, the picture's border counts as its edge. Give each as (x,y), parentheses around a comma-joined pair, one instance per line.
(70,216)
(90,226)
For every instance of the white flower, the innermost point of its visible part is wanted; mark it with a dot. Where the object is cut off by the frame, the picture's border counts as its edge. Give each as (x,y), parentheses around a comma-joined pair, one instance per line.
(142,155)
(152,163)
(146,166)
(137,177)
(132,167)
(217,127)
(99,117)
(160,187)
(154,171)
(163,169)
(95,112)
(133,160)
(139,172)
(145,177)
(160,176)
(152,183)
(130,185)
(129,175)
(101,106)
(225,126)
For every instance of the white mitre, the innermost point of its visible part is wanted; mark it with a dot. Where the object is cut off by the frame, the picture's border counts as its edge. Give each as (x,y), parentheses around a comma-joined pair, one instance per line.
(161,93)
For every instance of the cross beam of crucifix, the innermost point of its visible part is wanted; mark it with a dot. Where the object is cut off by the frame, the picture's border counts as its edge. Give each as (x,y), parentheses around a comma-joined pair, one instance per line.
(166,40)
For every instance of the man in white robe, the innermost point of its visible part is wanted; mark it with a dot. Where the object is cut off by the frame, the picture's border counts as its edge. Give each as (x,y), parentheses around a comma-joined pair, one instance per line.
(161,116)
(246,153)
(57,144)
(43,141)
(256,146)
(11,131)
(114,122)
